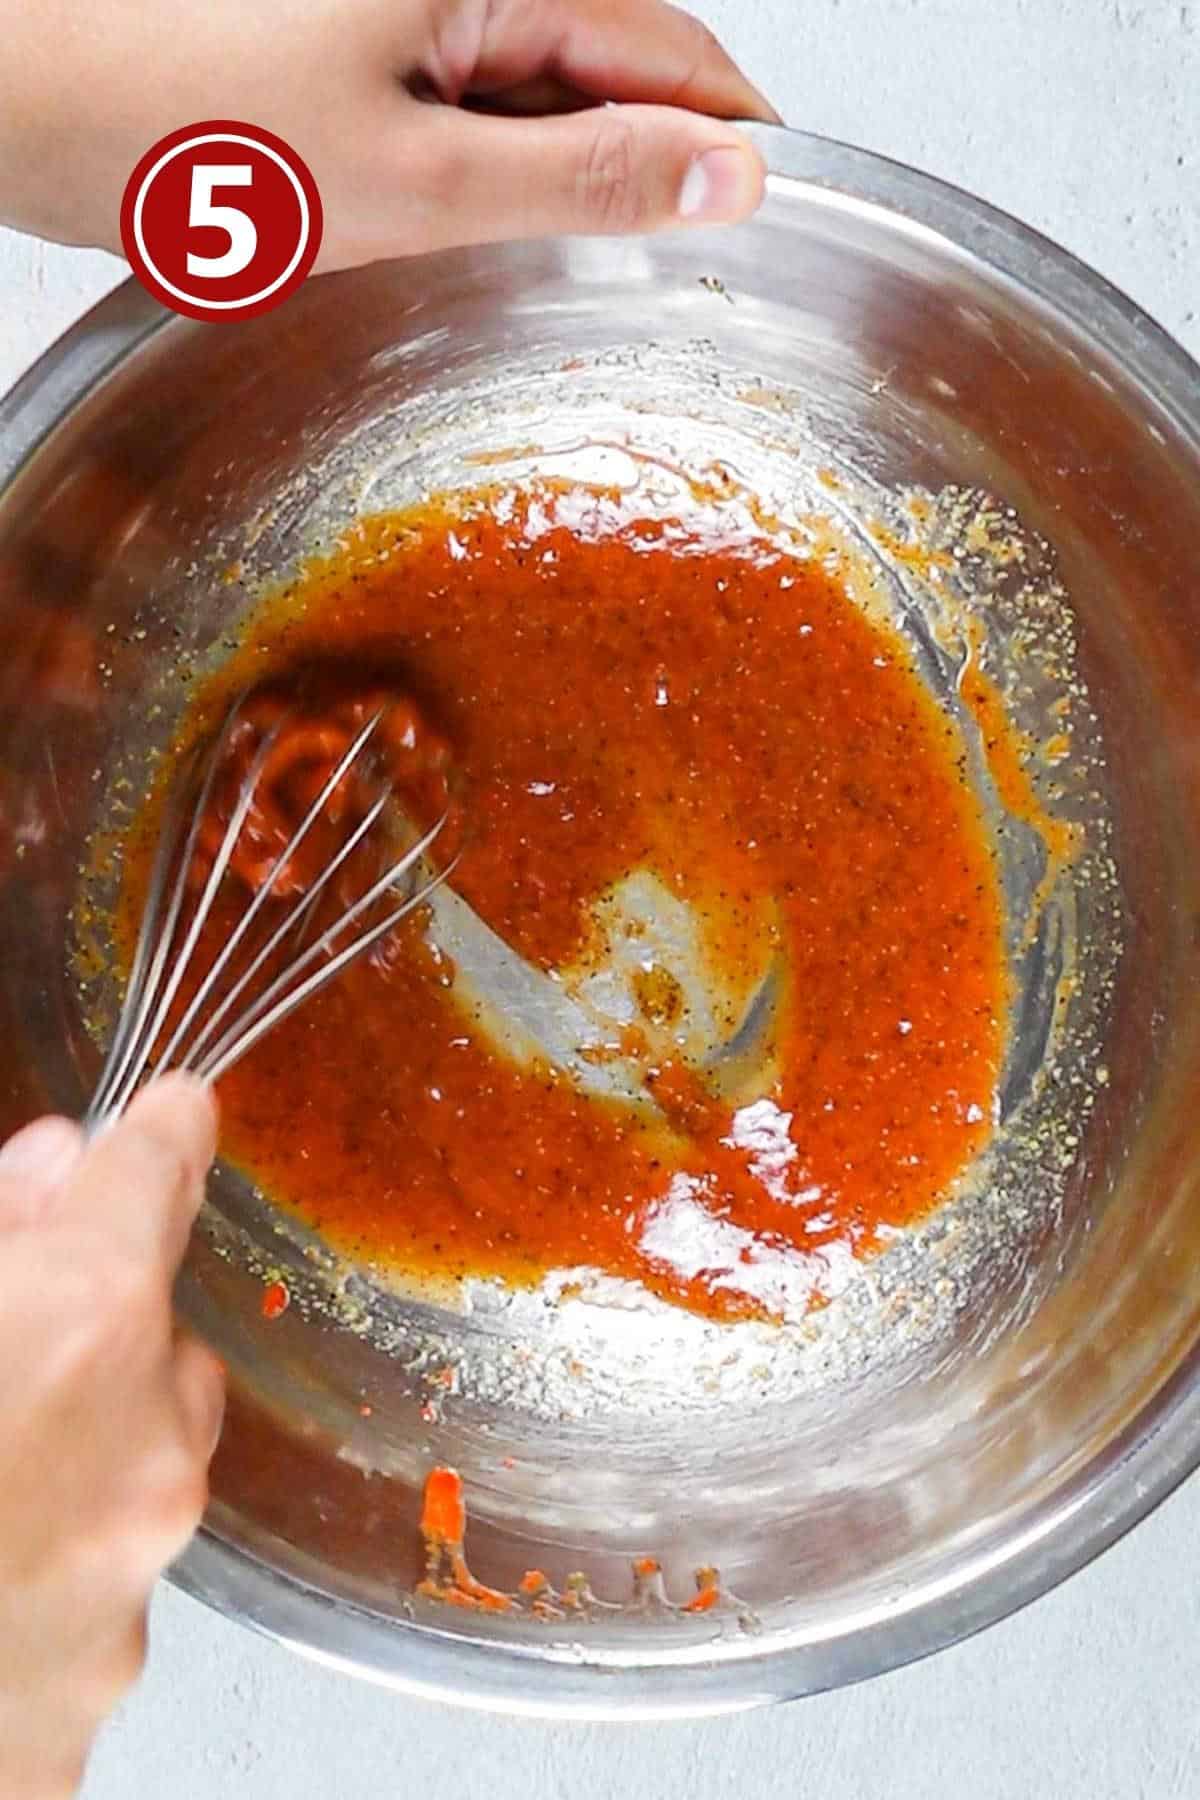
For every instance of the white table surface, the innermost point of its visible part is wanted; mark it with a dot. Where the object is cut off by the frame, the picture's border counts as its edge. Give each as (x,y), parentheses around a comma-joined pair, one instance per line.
(1083,118)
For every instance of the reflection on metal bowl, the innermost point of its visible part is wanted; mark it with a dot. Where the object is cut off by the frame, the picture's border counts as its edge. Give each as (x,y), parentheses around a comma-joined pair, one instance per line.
(1002,1391)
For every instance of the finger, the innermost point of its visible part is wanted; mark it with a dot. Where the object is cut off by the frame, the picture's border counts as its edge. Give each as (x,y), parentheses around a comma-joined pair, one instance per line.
(609,170)
(630,50)
(145,1175)
(34,1164)
(200,1386)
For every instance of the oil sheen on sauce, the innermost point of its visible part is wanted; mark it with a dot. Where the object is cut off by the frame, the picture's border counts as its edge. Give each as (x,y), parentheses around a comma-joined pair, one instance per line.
(623,696)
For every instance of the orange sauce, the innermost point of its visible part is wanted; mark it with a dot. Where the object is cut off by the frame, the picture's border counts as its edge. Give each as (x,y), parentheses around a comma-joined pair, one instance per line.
(275,1300)
(621,697)
(443,1527)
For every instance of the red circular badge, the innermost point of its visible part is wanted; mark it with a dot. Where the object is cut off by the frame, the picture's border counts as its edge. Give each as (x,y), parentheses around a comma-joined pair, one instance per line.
(221,220)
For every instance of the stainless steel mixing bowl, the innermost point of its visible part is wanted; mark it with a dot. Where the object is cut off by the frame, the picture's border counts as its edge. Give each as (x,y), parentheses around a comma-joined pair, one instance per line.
(988,1407)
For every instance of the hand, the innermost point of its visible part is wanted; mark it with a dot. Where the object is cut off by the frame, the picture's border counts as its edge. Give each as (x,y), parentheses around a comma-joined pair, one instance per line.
(108,1416)
(397,107)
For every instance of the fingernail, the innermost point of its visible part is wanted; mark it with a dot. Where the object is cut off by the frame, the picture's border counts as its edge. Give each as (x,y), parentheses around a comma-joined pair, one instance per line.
(44,1152)
(720,187)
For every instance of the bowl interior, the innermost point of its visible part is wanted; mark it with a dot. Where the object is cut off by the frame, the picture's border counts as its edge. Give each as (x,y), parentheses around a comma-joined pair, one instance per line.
(869,1486)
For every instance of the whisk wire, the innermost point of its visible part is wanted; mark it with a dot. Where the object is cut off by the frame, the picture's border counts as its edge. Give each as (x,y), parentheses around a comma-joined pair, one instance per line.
(160,963)
(252,1026)
(122,1072)
(221,863)
(292,921)
(131,1015)
(154,1004)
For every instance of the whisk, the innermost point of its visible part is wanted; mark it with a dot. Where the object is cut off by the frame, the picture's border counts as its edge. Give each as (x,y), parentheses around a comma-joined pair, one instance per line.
(250,986)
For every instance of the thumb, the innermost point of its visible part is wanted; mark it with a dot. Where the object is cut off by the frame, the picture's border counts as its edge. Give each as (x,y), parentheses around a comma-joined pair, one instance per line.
(609,169)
